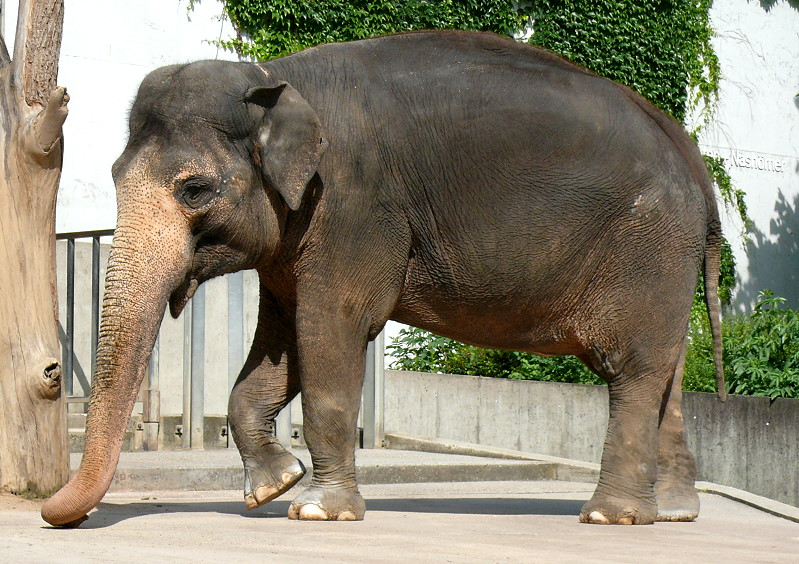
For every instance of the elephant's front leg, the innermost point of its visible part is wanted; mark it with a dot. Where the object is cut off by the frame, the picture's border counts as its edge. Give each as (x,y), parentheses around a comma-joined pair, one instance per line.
(332,350)
(267,383)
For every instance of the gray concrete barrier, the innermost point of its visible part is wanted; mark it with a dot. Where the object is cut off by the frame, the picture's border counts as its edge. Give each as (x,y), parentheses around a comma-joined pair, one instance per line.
(748,443)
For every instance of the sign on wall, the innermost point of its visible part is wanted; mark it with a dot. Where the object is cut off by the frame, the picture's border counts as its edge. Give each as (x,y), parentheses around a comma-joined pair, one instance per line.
(736,158)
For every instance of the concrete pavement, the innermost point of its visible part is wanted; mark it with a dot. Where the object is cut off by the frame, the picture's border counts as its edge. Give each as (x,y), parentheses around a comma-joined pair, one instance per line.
(520,515)
(434,522)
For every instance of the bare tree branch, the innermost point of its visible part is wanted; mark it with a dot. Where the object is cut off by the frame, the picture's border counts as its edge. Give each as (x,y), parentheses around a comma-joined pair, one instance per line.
(36,48)
(5,58)
(47,127)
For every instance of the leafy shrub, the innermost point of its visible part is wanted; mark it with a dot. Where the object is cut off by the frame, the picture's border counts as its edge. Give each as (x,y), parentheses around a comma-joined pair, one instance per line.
(761,352)
(761,355)
(419,350)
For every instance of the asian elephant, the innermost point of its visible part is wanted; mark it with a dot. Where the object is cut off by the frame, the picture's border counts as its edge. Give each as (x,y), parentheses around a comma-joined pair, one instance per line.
(461,182)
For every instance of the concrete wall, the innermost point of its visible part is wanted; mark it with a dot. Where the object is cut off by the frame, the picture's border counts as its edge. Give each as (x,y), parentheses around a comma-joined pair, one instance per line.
(547,418)
(747,443)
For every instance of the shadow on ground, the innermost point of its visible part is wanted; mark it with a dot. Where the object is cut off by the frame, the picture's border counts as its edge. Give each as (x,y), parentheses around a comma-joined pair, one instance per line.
(109,514)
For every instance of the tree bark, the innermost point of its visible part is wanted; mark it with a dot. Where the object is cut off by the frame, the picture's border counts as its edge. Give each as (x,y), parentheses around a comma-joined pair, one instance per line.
(33,443)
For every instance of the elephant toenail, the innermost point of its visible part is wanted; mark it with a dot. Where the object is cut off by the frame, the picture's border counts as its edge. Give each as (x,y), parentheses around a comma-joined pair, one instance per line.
(311,512)
(598,518)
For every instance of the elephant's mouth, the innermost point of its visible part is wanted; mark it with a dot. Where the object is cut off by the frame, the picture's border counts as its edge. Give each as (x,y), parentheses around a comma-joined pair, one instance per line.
(181,295)
(211,258)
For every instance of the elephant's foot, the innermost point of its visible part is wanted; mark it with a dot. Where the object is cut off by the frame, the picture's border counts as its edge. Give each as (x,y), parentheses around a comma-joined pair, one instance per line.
(676,503)
(611,510)
(269,474)
(328,504)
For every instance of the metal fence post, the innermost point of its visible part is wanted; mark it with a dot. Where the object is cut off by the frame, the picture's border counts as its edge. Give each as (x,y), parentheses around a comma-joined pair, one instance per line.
(151,416)
(69,349)
(186,418)
(373,393)
(198,369)
(95,301)
(72,369)
(235,333)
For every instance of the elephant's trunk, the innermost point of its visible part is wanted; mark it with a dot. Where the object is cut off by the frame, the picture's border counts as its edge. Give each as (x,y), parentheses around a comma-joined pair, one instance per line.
(142,271)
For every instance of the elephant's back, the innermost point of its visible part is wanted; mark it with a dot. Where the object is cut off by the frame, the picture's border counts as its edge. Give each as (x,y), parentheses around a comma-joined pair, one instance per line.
(522,179)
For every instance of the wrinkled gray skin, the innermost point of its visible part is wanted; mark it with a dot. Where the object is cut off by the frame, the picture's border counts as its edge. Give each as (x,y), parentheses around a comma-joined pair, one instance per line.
(482,189)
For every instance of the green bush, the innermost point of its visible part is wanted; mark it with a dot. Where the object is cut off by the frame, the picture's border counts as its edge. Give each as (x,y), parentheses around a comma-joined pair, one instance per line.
(761,355)
(419,350)
(761,352)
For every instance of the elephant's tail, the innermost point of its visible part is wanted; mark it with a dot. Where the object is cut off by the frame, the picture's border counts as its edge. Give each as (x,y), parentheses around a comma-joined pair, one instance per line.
(711,275)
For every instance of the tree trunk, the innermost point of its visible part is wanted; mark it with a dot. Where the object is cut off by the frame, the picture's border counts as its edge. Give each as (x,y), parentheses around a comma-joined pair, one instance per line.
(33,443)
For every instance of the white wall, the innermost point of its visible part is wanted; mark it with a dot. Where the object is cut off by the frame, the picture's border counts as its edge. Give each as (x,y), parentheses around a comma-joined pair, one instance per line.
(107,48)
(756,129)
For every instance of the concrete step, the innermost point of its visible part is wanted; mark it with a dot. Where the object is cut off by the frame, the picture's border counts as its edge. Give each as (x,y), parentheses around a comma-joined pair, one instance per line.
(222,469)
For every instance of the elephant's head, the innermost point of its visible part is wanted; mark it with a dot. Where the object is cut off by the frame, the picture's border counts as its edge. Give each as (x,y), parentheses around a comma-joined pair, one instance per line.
(218,156)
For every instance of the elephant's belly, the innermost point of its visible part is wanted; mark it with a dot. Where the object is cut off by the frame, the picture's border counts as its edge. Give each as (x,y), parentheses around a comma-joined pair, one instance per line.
(519,325)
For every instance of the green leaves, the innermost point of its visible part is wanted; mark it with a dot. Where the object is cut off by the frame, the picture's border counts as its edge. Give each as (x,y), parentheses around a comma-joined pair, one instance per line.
(272,28)
(419,350)
(761,352)
(660,48)
(733,197)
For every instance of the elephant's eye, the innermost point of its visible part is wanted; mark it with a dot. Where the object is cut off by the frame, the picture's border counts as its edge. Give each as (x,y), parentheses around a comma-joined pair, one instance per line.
(196,192)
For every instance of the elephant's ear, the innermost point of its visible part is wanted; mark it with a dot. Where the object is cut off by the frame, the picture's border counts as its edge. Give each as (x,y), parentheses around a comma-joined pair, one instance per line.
(290,140)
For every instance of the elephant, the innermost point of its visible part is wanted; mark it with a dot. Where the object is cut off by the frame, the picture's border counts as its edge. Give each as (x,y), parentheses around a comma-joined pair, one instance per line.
(461,182)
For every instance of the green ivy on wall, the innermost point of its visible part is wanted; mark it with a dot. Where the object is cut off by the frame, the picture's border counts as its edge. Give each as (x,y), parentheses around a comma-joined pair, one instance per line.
(660,48)
(271,28)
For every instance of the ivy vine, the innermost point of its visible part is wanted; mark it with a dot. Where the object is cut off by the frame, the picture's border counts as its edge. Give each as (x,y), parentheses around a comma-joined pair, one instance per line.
(272,28)
(660,48)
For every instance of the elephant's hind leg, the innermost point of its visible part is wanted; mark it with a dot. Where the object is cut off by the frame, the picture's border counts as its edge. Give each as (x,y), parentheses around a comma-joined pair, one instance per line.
(267,383)
(676,496)
(625,493)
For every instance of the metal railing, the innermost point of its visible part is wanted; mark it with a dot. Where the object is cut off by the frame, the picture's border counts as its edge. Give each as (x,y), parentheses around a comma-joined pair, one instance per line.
(68,336)
(194,324)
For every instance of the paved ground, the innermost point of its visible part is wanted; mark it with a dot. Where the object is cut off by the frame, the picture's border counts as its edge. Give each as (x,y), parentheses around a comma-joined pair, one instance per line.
(523,520)
(432,522)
